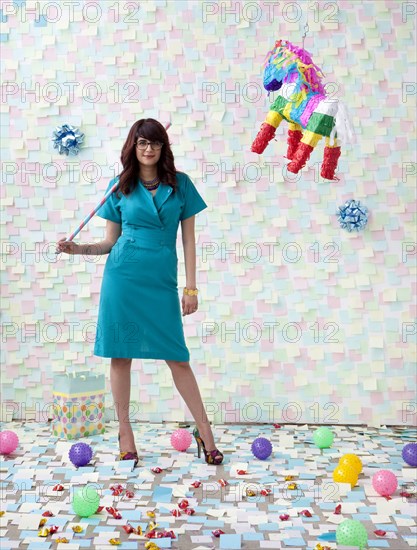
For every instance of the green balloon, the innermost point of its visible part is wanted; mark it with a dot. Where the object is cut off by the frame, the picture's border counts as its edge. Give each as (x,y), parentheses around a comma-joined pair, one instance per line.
(86,502)
(351,533)
(323,437)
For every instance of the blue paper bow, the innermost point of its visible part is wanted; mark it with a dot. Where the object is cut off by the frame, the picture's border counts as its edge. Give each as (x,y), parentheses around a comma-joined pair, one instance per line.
(353,216)
(67,139)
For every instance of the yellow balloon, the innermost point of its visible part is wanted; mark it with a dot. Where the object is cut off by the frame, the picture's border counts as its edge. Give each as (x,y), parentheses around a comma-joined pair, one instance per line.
(351,460)
(345,474)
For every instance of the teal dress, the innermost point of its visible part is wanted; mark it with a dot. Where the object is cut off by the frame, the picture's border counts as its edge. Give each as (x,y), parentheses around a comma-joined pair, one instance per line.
(139,310)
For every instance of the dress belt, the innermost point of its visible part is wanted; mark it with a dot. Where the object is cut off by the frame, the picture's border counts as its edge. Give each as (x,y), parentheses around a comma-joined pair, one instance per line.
(145,236)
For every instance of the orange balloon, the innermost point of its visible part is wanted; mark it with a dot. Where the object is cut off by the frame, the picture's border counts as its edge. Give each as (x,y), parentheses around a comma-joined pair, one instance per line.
(345,474)
(353,461)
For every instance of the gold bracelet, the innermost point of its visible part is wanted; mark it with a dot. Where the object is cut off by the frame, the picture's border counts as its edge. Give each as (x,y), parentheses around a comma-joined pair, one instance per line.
(190,292)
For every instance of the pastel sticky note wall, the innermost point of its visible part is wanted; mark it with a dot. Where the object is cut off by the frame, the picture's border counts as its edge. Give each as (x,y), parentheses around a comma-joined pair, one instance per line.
(298,320)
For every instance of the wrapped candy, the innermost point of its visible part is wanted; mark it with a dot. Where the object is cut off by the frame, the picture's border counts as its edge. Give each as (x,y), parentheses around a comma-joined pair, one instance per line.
(302,102)
(77,529)
(62,540)
(196,484)
(284,517)
(183,504)
(217,532)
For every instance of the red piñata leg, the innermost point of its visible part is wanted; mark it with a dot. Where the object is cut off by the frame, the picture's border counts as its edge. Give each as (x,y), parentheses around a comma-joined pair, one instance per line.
(300,157)
(294,137)
(330,158)
(265,134)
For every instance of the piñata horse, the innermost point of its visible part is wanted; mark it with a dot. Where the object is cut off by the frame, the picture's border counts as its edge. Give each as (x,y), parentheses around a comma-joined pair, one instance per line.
(303,103)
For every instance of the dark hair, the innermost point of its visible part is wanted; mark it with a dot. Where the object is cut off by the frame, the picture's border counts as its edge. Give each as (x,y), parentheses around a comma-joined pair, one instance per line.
(152,130)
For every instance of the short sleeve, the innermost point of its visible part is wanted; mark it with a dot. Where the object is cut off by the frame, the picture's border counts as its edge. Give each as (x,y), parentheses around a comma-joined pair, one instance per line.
(111,208)
(193,201)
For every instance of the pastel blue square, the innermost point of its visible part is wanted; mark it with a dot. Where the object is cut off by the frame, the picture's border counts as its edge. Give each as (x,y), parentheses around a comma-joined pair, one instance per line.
(296,541)
(230,542)
(252,536)
(269,527)
(380,543)
(162,494)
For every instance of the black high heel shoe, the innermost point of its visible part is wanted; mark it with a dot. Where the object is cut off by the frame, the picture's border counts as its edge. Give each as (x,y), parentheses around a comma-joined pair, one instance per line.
(211,457)
(128,455)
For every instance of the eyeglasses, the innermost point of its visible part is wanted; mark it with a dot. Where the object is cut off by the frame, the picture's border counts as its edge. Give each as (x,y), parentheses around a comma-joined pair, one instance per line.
(142,144)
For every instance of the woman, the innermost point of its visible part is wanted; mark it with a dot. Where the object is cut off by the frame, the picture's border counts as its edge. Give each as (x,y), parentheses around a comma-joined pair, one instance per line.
(139,311)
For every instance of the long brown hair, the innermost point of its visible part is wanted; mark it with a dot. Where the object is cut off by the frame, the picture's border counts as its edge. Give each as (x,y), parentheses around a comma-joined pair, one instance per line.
(152,130)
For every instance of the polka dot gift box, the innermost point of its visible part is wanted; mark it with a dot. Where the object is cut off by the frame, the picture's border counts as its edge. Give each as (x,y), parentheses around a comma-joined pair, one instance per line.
(78,404)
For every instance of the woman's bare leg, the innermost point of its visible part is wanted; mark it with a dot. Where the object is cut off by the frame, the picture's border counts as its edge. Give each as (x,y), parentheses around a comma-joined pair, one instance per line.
(186,384)
(120,387)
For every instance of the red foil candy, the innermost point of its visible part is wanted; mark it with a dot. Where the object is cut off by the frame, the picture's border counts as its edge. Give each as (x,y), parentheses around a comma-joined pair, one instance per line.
(48,514)
(99,509)
(380,533)
(306,513)
(53,529)
(223,482)
(156,470)
(58,488)
(217,533)
(338,509)
(128,528)
(277,425)
(406,495)
(130,494)
(265,492)
(189,511)
(176,513)
(114,512)
(241,472)
(183,504)
(284,517)
(196,484)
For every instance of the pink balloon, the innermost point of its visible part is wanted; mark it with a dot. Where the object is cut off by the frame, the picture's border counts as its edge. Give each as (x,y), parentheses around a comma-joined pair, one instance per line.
(385,482)
(181,439)
(8,442)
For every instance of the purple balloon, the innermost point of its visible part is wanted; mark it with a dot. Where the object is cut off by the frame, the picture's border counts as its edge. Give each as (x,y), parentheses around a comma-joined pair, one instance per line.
(409,454)
(261,448)
(80,454)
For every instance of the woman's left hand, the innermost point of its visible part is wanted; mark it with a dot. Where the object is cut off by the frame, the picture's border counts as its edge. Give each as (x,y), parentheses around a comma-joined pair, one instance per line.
(189,304)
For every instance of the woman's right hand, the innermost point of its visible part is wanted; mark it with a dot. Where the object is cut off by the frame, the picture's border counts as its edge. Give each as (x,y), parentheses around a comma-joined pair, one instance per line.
(69,247)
